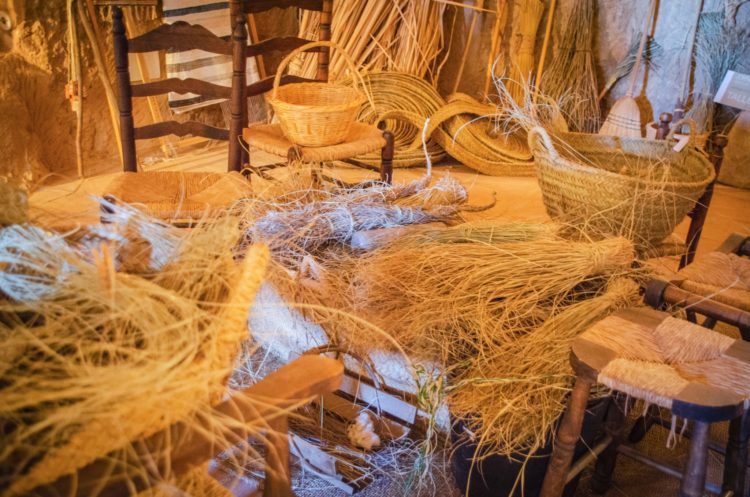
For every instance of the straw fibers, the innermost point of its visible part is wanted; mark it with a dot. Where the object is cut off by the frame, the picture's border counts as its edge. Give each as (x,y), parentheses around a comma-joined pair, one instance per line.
(720,276)
(721,45)
(527,14)
(459,126)
(394,35)
(483,302)
(571,77)
(134,326)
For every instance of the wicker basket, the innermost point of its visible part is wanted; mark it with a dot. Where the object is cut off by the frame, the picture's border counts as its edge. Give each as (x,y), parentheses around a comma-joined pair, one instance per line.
(613,186)
(316,114)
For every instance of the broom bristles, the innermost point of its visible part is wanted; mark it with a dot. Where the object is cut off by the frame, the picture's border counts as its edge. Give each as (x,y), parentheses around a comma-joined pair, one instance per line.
(623,120)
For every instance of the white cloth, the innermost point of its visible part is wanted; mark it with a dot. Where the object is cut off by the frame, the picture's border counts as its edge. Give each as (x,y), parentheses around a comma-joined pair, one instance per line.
(198,64)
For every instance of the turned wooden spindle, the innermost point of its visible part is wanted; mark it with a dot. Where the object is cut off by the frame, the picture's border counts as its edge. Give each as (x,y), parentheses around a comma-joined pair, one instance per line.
(124,98)
(662,129)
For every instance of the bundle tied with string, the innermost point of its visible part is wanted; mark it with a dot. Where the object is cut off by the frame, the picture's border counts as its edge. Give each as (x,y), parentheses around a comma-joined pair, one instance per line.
(571,77)
(114,356)
(527,14)
(611,186)
(474,301)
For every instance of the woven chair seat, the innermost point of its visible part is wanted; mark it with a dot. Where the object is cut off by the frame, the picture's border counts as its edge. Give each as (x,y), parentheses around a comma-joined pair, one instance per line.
(172,195)
(675,364)
(362,139)
(722,277)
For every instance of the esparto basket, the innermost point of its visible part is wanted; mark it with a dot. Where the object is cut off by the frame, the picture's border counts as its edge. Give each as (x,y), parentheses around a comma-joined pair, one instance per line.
(316,114)
(615,186)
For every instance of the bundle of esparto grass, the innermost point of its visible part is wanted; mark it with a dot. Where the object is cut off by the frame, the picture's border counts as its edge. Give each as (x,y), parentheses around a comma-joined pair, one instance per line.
(112,356)
(470,299)
(527,14)
(720,46)
(397,35)
(571,77)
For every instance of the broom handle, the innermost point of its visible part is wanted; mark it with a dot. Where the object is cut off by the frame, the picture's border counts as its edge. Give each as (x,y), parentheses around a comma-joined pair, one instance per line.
(543,54)
(496,32)
(684,94)
(639,56)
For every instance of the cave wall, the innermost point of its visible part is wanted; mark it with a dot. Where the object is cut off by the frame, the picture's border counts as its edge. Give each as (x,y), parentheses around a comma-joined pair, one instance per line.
(38,41)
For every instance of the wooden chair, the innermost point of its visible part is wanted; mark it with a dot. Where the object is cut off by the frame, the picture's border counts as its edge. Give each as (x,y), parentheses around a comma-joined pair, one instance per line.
(715,149)
(268,137)
(180,197)
(676,365)
(264,406)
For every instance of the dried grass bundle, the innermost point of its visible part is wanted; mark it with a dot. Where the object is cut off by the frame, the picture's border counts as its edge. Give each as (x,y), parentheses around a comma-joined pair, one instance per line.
(112,356)
(571,77)
(720,46)
(470,298)
(527,14)
(396,35)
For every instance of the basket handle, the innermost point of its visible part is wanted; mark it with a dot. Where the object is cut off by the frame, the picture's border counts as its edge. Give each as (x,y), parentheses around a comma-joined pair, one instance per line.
(314,44)
(678,126)
(540,135)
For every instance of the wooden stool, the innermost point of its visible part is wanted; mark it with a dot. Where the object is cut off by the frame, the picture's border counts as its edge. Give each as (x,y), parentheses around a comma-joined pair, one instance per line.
(698,374)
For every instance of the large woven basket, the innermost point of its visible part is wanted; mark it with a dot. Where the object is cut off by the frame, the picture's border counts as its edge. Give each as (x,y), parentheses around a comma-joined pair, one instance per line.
(614,186)
(316,114)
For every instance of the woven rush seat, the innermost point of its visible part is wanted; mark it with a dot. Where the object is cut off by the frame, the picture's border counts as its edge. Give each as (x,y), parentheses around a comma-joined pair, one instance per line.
(172,195)
(362,139)
(719,276)
(668,362)
(698,374)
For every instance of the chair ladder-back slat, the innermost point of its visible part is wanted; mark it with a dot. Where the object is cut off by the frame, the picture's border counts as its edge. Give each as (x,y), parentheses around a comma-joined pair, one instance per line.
(180,129)
(177,85)
(180,37)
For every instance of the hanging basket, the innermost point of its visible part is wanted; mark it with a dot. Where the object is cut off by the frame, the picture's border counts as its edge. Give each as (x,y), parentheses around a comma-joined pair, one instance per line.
(615,186)
(316,114)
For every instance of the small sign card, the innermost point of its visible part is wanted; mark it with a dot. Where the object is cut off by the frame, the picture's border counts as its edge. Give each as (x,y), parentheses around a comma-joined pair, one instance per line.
(734,91)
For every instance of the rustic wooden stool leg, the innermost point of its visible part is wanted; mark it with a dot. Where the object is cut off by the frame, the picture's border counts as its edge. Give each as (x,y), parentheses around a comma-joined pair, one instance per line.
(643,424)
(567,437)
(735,461)
(615,428)
(694,478)
(386,159)
(278,482)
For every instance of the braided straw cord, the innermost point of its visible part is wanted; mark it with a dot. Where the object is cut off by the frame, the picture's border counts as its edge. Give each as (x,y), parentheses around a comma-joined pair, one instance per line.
(608,185)
(129,421)
(405,102)
(171,195)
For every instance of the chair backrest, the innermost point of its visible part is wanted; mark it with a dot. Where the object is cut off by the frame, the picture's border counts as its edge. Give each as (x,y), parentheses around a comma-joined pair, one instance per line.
(239,9)
(177,37)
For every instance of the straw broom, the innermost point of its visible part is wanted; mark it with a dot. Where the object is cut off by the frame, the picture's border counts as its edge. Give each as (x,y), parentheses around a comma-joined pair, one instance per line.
(501,8)
(527,14)
(571,78)
(543,54)
(624,119)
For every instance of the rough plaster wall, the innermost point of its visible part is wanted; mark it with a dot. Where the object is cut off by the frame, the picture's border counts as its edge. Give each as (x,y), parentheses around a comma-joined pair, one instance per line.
(617,22)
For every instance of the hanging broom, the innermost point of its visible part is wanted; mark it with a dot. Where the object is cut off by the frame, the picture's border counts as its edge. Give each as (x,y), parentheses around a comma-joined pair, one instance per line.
(624,119)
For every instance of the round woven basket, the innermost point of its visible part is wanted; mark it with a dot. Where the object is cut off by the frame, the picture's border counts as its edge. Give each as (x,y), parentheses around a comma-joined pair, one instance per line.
(316,114)
(613,186)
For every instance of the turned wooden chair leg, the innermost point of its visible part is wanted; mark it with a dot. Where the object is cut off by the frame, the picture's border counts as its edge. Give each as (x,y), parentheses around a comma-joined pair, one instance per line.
(566,440)
(386,158)
(735,461)
(694,477)
(614,428)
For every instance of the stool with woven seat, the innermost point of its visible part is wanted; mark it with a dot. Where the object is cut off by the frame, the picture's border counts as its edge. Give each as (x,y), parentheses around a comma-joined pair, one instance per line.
(698,374)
